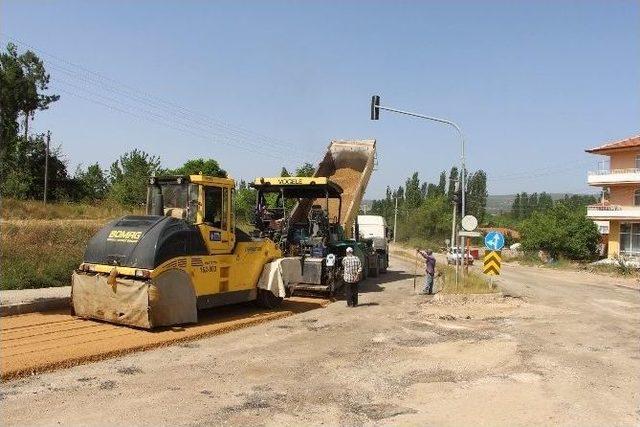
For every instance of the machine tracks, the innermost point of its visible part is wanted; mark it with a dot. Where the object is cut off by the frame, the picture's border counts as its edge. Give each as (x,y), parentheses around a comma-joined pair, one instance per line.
(37,342)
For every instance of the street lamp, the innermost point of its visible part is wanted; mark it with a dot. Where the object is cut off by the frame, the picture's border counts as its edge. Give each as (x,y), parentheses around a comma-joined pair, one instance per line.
(375,115)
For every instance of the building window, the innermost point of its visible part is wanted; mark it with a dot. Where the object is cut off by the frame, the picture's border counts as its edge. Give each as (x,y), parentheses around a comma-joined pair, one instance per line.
(636,197)
(630,238)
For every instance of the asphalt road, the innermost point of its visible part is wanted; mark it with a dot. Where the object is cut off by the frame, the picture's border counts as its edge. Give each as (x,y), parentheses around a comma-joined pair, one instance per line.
(561,348)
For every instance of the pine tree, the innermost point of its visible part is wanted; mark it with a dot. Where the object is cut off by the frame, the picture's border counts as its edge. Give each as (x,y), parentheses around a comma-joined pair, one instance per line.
(453,176)
(515,207)
(442,183)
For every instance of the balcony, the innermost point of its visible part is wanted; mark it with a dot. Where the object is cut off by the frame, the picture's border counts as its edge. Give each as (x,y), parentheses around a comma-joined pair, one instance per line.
(614,176)
(608,211)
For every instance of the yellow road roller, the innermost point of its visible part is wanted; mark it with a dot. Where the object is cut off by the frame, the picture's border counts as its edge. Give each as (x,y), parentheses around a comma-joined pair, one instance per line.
(185,254)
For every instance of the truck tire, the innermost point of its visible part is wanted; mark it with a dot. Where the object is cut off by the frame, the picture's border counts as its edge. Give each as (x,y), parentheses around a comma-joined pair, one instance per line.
(266,299)
(385,264)
(375,269)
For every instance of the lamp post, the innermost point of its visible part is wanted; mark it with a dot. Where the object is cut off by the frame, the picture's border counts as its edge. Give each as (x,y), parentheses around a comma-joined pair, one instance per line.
(375,115)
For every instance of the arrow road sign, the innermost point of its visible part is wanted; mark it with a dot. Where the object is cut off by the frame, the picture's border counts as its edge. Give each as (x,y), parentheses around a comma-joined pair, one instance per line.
(492,261)
(494,240)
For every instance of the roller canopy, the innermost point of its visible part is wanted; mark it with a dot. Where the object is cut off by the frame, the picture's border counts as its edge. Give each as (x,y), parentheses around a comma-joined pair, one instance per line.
(144,242)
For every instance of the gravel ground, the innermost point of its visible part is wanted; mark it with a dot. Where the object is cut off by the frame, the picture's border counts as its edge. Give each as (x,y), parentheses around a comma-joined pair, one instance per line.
(551,349)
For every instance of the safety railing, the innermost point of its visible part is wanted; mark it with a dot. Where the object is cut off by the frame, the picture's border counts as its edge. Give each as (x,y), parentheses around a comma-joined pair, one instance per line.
(614,171)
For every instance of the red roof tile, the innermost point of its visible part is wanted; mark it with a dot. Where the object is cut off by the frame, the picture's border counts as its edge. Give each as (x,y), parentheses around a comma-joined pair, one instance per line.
(634,141)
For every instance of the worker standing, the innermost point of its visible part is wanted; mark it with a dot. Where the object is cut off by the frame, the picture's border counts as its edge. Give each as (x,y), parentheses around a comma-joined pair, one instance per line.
(352,268)
(430,270)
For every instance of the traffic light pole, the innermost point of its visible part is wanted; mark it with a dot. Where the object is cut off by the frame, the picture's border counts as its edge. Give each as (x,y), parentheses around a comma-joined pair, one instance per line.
(375,111)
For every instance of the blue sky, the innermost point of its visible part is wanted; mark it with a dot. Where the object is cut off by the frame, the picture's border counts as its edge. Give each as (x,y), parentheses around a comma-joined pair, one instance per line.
(261,85)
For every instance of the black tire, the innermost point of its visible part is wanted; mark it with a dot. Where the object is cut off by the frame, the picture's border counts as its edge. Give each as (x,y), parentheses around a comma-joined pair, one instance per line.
(385,264)
(266,299)
(375,270)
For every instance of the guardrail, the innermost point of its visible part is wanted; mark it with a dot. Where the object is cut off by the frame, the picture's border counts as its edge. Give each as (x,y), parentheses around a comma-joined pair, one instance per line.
(605,207)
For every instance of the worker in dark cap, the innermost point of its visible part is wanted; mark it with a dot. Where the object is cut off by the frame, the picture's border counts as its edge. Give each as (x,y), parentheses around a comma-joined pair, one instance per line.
(430,270)
(352,268)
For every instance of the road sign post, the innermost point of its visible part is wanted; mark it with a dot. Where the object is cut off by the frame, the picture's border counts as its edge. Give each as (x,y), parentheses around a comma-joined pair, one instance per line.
(492,263)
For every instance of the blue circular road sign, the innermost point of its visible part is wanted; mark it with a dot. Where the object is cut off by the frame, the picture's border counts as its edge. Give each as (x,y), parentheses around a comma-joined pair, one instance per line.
(494,240)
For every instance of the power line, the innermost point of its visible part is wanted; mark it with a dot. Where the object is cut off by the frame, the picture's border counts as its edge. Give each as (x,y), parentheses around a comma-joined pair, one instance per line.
(158,118)
(120,110)
(114,86)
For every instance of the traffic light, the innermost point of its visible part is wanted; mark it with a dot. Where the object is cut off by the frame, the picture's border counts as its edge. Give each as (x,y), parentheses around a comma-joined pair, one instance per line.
(375,110)
(457,201)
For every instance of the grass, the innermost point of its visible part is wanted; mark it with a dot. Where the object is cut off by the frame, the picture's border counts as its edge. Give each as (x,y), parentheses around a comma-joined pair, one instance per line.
(32,209)
(422,243)
(42,244)
(470,283)
(42,254)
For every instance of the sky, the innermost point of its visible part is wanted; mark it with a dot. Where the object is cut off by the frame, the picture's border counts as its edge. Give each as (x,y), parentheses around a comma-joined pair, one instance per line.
(266,84)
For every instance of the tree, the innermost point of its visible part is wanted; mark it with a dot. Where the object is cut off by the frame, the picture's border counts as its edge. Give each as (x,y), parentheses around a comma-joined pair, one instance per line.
(533,203)
(516,210)
(128,177)
(477,195)
(432,191)
(37,80)
(424,189)
(306,169)
(22,82)
(561,231)
(524,205)
(412,193)
(25,178)
(545,202)
(209,167)
(284,172)
(93,182)
(578,201)
(453,177)
(442,183)
(244,204)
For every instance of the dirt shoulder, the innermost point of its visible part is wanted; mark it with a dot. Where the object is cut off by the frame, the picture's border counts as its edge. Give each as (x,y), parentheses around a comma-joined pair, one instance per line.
(556,351)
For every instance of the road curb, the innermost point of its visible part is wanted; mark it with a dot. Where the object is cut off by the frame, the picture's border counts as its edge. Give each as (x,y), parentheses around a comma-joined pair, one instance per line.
(40,304)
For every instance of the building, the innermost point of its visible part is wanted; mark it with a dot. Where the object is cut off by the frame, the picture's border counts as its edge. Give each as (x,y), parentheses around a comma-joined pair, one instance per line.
(619,177)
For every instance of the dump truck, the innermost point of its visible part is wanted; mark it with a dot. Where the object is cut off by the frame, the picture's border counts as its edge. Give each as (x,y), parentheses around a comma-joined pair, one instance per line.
(185,254)
(373,229)
(349,164)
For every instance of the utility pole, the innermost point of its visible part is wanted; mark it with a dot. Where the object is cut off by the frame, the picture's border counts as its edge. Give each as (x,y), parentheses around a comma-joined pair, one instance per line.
(455,211)
(453,221)
(395,220)
(46,167)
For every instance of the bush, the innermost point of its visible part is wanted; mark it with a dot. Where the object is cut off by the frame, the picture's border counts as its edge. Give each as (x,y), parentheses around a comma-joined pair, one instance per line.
(561,232)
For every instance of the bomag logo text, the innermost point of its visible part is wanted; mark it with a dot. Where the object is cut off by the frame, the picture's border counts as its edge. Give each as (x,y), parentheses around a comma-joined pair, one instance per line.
(124,236)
